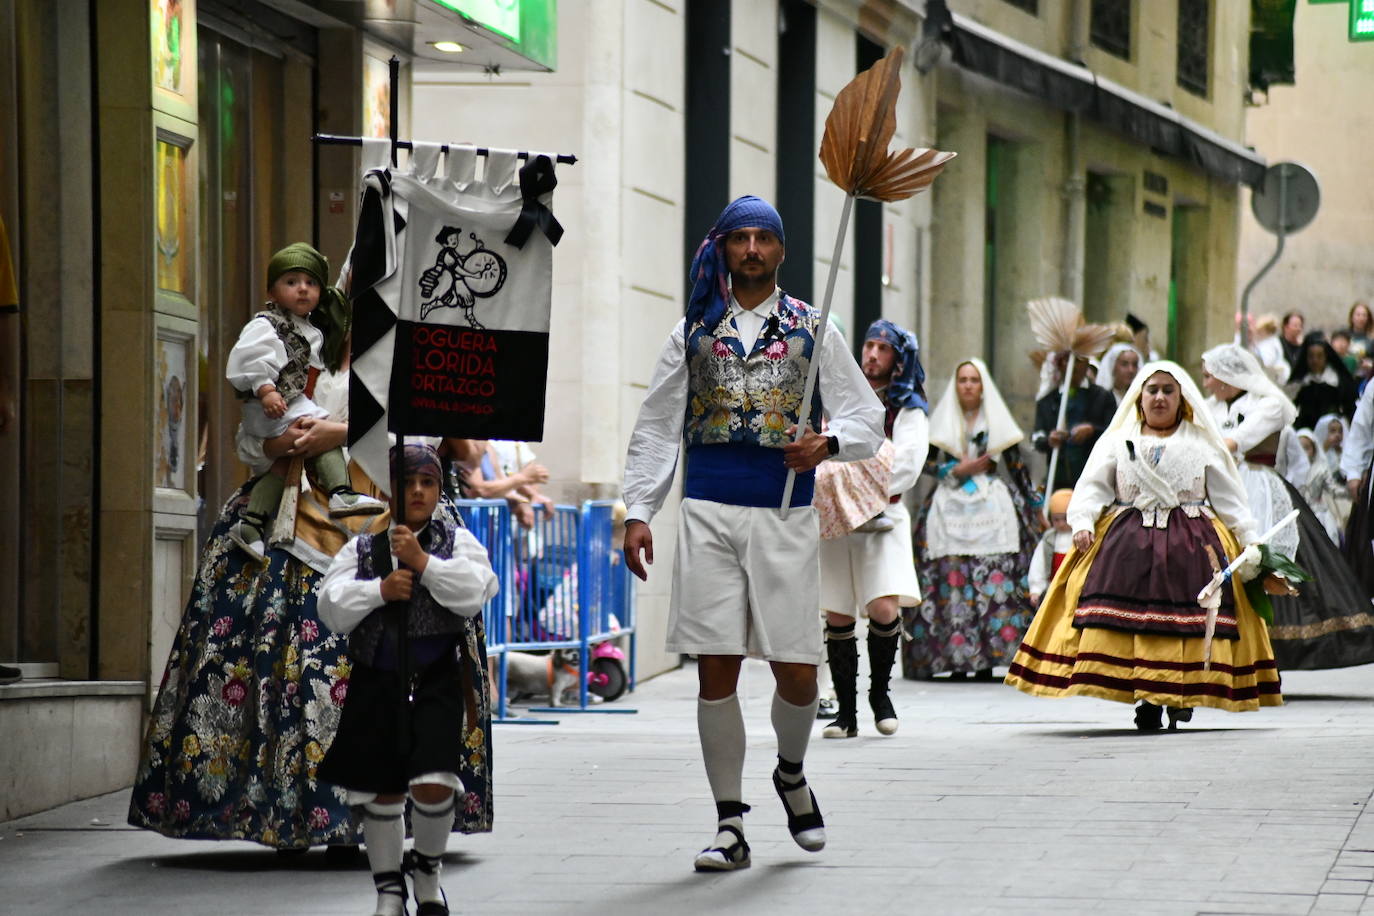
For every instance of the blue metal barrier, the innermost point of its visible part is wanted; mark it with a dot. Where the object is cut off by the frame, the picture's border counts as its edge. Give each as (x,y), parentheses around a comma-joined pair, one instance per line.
(564,585)
(489,520)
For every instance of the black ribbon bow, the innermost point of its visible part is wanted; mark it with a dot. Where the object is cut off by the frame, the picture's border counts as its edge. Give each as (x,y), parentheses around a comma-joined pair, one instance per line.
(536,179)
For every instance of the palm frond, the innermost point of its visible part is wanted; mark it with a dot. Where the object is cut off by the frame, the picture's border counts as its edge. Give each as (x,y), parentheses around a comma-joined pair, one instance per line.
(1053,321)
(857,131)
(1058,326)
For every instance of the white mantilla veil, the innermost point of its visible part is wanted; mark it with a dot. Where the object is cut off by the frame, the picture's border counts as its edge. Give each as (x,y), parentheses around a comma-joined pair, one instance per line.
(1104,378)
(947,420)
(1126,421)
(1238,367)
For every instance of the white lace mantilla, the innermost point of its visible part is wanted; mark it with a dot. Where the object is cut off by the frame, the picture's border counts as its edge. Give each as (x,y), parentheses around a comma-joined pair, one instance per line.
(1157,475)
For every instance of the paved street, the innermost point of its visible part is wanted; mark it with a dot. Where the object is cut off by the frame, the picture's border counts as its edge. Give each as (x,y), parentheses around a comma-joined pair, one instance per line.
(986,802)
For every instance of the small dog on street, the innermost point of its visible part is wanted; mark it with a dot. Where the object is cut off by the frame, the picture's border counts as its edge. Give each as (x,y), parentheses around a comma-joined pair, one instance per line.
(548,676)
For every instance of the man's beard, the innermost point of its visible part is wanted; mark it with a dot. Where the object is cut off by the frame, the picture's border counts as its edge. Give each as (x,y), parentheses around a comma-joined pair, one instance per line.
(762,281)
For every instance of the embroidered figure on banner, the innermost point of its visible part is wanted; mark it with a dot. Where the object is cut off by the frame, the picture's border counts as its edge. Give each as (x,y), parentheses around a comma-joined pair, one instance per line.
(459,278)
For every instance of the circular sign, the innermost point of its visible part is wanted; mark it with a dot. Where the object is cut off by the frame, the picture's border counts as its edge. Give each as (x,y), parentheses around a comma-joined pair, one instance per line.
(1287,199)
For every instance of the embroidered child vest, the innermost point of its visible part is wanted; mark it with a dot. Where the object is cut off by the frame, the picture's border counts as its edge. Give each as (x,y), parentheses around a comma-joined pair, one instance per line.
(294,376)
(740,406)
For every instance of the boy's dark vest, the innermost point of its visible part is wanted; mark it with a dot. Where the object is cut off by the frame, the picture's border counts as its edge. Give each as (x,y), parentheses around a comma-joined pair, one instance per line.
(426,616)
(295,375)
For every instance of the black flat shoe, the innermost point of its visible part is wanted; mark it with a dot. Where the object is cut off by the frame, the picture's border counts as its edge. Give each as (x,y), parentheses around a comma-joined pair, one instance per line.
(1178,714)
(808,830)
(433,907)
(724,858)
(1149,717)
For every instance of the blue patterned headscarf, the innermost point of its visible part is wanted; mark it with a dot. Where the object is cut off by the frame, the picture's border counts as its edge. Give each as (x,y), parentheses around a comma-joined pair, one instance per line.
(710,294)
(907,387)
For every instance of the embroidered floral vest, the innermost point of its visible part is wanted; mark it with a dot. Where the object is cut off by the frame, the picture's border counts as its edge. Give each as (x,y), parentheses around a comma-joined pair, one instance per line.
(752,397)
(741,404)
(294,375)
(426,616)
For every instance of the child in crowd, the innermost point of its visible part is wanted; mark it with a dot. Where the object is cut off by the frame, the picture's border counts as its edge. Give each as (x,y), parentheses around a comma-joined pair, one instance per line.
(1054,544)
(273,366)
(401,732)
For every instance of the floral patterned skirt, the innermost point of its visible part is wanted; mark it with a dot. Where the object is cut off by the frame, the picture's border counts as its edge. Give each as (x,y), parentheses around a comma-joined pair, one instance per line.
(249,703)
(973,614)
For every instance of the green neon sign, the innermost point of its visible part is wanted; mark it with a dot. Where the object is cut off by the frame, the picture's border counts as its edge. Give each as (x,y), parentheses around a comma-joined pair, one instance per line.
(501,16)
(1362,20)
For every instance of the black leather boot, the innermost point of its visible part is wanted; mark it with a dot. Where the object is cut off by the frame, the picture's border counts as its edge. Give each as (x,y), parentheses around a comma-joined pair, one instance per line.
(842,651)
(882,652)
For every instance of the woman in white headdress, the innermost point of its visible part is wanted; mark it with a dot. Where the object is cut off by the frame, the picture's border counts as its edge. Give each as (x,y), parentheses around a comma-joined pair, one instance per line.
(1120,365)
(1158,499)
(1328,624)
(974,535)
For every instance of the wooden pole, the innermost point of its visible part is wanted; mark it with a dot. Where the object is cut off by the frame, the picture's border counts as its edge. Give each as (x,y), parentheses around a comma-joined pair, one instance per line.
(810,389)
(1059,424)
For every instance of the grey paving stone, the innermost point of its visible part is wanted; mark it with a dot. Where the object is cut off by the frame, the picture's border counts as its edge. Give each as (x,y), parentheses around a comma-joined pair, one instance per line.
(1341,886)
(1336,903)
(987,801)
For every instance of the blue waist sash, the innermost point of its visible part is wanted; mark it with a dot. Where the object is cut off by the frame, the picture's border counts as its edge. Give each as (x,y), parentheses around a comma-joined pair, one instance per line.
(741,474)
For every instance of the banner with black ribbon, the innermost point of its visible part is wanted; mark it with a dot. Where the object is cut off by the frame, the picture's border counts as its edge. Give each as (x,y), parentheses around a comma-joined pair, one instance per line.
(453,339)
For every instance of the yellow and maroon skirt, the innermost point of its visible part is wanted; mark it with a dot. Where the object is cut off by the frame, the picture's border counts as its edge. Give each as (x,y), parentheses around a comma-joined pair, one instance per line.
(1059,659)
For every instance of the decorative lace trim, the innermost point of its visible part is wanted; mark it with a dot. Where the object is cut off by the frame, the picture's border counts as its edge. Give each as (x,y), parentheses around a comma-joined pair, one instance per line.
(1179,460)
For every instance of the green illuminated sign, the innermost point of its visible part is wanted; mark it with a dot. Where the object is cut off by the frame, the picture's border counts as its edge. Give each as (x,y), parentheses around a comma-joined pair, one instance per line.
(1362,20)
(501,16)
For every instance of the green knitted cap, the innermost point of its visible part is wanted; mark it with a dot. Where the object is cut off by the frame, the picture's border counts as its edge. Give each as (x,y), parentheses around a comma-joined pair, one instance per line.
(298,256)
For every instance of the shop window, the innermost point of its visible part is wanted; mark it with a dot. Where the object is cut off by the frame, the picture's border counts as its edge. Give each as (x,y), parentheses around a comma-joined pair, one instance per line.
(1194,44)
(1110,27)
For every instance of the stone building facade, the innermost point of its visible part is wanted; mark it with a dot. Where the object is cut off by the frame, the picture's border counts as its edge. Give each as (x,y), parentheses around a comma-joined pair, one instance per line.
(676,106)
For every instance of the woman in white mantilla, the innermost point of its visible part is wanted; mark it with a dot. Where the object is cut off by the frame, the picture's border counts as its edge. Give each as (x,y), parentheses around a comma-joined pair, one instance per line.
(1328,624)
(1159,499)
(974,535)
(1120,365)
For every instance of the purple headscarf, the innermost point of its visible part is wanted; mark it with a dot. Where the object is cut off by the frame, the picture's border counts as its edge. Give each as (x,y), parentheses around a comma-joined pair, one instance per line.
(418,458)
(710,294)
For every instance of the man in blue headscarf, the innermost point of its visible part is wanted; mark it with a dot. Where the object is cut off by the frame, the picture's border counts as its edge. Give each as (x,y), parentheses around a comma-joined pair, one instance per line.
(872,567)
(728,386)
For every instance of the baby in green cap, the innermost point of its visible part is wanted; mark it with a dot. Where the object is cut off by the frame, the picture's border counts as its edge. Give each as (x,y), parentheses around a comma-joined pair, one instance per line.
(273,367)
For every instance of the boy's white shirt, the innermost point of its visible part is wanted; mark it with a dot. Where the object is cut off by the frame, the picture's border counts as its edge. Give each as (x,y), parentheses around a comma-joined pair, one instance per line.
(1042,560)
(461,584)
(259,356)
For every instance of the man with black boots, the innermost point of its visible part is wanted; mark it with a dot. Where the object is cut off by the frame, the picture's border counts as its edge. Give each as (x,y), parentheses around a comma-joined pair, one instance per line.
(871,570)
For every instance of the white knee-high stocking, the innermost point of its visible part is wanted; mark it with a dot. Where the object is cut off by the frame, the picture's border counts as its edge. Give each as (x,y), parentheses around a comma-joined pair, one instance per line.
(431,825)
(720,725)
(384,834)
(792,724)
